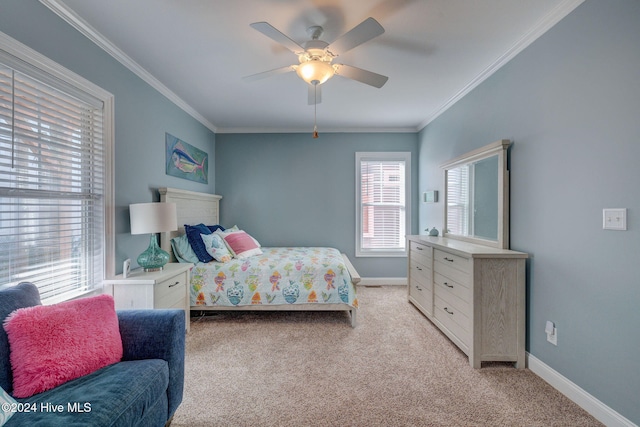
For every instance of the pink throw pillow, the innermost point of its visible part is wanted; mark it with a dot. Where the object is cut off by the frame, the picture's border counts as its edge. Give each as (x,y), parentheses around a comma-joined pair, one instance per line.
(241,244)
(50,345)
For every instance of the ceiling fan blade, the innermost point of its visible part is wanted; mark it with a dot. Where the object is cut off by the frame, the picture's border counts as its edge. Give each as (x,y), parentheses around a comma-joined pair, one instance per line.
(265,74)
(274,34)
(363,76)
(314,95)
(363,32)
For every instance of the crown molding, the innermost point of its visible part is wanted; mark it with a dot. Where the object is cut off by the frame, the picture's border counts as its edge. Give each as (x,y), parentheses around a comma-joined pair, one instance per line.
(69,16)
(541,27)
(321,130)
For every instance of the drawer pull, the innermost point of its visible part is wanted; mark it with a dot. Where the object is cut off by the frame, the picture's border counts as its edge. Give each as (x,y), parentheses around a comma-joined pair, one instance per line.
(448,285)
(447,310)
(448,259)
(419,288)
(419,268)
(175,284)
(418,248)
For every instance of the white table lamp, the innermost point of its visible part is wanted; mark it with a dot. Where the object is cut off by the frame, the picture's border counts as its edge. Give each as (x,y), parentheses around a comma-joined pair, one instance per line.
(153,218)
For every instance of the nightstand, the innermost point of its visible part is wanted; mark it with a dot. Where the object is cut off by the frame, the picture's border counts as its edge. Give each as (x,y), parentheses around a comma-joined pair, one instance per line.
(167,288)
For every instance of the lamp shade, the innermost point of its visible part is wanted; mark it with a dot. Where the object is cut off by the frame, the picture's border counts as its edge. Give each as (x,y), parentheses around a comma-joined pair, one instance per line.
(153,217)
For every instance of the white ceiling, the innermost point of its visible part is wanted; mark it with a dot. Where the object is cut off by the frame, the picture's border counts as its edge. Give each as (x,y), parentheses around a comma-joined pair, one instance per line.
(197,51)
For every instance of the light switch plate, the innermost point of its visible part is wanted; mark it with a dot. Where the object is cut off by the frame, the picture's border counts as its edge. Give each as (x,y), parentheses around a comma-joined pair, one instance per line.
(614,219)
(430,196)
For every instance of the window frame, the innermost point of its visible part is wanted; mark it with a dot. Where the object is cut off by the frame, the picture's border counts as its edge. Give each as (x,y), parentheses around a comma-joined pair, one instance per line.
(48,71)
(400,156)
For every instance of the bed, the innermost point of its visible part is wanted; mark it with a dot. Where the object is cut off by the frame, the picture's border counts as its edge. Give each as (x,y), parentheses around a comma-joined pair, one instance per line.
(275,278)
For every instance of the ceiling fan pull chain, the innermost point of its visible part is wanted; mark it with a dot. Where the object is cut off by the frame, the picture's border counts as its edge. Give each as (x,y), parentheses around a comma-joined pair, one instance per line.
(315,108)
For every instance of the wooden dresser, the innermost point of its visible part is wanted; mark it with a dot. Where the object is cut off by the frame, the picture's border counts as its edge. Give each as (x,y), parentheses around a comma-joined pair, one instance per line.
(474,293)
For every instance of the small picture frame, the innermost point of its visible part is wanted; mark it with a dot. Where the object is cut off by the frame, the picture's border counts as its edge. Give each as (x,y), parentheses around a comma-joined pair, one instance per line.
(126,268)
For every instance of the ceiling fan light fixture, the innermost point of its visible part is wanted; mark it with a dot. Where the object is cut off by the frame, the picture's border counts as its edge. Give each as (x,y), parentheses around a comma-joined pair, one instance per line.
(315,70)
(315,56)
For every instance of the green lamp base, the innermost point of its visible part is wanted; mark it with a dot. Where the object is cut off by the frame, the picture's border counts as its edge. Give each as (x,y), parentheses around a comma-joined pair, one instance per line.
(154,258)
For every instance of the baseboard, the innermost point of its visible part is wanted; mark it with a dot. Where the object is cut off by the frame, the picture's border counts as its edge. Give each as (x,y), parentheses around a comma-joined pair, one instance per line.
(379,281)
(586,401)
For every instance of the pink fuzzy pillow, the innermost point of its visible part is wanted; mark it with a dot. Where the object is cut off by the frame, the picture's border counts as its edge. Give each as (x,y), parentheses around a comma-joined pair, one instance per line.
(50,345)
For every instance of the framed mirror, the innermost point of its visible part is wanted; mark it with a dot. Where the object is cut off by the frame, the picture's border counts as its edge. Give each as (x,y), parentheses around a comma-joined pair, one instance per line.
(476,196)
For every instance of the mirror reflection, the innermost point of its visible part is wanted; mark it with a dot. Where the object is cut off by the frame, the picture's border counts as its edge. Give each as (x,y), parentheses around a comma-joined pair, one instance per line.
(476,196)
(472,205)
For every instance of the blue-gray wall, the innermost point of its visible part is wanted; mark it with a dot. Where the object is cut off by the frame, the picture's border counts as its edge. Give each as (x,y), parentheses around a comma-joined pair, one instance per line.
(291,189)
(142,114)
(571,104)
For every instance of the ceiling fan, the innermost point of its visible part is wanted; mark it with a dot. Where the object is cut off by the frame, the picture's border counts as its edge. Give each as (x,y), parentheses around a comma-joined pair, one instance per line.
(316,56)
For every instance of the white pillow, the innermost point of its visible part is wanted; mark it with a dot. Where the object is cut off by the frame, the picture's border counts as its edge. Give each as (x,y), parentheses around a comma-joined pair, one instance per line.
(216,247)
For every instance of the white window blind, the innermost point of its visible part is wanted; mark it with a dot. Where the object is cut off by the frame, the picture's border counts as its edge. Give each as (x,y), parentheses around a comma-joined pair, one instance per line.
(458,203)
(382,203)
(52,183)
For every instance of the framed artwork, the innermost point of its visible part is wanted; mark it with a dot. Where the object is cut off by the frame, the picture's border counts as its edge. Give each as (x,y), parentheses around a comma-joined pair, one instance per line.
(186,161)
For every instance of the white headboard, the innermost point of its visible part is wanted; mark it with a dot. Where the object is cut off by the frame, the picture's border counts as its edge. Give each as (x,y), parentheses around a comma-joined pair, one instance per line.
(192,208)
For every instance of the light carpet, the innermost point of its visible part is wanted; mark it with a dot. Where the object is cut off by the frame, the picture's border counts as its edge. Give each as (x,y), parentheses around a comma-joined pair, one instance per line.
(395,368)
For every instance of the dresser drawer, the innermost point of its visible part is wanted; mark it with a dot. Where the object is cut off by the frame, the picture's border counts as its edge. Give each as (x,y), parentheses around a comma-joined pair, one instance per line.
(454,261)
(421,285)
(171,291)
(420,252)
(458,300)
(421,295)
(450,271)
(420,272)
(448,286)
(179,304)
(456,321)
(421,277)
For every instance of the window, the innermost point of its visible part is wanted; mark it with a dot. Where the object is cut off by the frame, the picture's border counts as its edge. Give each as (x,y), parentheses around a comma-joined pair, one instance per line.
(382,203)
(55,177)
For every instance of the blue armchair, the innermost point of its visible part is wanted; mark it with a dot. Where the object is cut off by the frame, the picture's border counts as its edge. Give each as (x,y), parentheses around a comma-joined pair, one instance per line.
(144,389)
